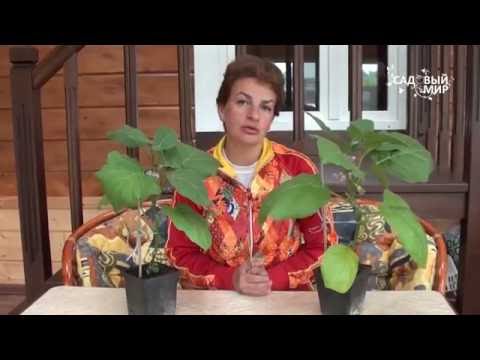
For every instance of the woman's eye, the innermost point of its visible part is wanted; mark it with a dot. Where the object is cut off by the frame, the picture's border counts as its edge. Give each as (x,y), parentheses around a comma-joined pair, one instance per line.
(241,102)
(266,108)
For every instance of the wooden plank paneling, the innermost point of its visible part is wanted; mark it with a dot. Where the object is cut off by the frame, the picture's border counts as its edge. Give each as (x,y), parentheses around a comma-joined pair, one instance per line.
(57,184)
(11,272)
(153,118)
(95,123)
(94,154)
(101,101)
(109,59)
(11,245)
(94,59)
(5,94)
(8,184)
(158,58)
(8,157)
(158,90)
(104,91)
(58,219)
(6,131)
(4,61)
(53,202)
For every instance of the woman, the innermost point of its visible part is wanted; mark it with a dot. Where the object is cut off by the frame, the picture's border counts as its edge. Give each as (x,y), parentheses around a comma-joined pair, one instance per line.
(251,259)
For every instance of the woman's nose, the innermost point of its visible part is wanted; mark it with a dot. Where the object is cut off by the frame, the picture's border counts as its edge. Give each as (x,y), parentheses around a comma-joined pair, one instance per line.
(254,113)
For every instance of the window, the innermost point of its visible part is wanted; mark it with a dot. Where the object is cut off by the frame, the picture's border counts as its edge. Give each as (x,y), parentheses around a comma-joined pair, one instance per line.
(326,84)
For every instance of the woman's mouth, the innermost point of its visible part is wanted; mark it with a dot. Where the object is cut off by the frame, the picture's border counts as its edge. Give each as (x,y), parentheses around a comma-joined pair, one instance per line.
(250,130)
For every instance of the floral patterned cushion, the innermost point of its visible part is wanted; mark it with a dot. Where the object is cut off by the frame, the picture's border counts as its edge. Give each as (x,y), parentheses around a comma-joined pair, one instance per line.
(392,267)
(105,251)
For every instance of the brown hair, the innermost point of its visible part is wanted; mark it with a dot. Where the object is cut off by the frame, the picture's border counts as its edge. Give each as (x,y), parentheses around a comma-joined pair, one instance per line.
(249,66)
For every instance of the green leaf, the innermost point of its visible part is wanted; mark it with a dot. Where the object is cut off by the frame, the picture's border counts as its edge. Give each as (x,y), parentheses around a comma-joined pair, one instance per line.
(124,181)
(387,147)
(190,184)
(339,268)
(129,136)
(409,164)
(375,139)
(401,156)
(330,153)
(359,128)
(296,198)
(329,134)
(188,221)
(184,156)
(165,138)
(405,224)
(319,122)
(403,139)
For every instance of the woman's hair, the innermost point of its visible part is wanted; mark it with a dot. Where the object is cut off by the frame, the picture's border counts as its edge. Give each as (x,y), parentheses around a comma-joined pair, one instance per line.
(249,66)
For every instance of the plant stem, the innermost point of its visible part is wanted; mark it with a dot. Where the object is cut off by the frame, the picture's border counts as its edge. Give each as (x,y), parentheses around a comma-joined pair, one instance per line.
(138,245)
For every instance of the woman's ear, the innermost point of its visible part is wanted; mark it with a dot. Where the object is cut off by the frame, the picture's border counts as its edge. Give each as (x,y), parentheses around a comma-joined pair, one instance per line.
(220,109)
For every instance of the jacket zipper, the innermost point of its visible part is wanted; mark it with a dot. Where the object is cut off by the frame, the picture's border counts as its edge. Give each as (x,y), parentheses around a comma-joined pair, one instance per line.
(250,223)
(250,210)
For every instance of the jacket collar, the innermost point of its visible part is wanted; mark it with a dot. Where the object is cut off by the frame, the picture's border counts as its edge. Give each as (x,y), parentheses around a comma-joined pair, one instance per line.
(225,167)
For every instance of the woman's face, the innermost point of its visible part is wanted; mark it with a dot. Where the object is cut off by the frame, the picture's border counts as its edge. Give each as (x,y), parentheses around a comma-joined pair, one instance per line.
(249,111)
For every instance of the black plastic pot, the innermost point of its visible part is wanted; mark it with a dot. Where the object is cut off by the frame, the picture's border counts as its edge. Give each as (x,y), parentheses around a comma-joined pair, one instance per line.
(155,295)
(350,303)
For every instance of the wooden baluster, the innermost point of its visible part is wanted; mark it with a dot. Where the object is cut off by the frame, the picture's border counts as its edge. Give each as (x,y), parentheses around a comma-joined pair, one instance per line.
(73,142)
(30,170)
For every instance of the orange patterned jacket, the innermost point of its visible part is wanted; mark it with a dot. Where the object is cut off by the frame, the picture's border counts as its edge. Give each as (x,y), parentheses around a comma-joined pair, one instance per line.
(290,249)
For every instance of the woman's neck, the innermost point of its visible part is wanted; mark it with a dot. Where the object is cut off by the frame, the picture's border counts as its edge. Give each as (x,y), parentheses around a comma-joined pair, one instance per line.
(242,154)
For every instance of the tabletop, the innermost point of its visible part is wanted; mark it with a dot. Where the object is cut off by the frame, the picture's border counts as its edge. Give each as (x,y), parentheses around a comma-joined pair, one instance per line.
(70,300)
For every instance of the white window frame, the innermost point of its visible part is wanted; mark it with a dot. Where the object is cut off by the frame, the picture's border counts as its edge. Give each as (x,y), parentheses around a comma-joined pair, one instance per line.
(210,62)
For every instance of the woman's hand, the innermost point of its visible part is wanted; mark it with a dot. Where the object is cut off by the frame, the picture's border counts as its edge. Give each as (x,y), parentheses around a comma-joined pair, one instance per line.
(251,278)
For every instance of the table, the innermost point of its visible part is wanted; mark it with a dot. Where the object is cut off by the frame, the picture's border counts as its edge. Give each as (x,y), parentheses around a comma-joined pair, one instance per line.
(70,300)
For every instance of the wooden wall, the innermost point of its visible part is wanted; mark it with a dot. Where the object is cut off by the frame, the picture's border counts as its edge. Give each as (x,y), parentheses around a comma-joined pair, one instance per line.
(101,109)
(11,257)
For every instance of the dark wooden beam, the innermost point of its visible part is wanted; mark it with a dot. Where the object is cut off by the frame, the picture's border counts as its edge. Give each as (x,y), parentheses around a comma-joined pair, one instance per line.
(73,142)
(131,92)
(187,125)
(459,88)
(469,272)
(446,123)
(53,62)
(30,170)
(424,105)
(356,79)
(435,114)
(298,93)
(413,108)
